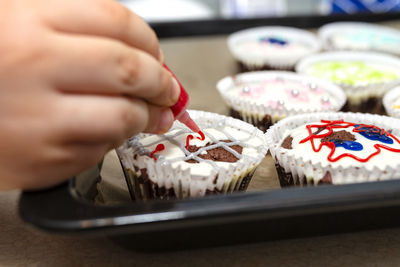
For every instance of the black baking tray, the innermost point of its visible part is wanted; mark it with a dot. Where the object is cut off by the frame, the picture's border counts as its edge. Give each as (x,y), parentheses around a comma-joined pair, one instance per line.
(215,220)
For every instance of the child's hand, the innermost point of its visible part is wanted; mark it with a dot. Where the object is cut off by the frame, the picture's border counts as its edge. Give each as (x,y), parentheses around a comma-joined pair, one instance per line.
(77,77)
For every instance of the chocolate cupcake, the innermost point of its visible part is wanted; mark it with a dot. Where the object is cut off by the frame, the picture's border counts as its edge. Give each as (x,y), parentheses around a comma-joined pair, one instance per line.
(265,97)
(335,148)
(271,48)
(181,164)
(364,77)
(360,36)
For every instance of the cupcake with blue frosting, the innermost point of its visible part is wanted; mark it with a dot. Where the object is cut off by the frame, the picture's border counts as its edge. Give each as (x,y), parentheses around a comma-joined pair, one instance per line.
(271,48)
(360,36)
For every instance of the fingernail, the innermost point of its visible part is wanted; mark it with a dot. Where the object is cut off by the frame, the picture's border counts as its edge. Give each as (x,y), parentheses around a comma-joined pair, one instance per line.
(161,56)
(166,120)
(176,90)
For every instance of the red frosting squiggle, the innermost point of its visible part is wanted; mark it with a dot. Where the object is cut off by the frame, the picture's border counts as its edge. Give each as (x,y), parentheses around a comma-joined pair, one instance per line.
(159,147)
(340,124)
(190,137)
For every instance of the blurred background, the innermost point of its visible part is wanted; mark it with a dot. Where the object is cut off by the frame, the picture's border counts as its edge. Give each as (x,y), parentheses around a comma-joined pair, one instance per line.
(183,10)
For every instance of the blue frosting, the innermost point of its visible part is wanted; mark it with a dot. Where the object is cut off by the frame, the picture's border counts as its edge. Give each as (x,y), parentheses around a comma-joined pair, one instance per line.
(273,40)
(372,38)
(349,145)
(374,136)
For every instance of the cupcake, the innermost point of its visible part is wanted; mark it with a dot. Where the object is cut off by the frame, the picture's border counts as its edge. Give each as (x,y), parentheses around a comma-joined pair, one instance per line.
(391,102)
(271,48)
(359,36)
(180,164)
(335,148)
(365,77)
(264,97)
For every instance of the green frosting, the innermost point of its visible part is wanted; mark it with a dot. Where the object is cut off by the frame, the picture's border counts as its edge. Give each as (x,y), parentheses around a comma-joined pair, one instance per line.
(352,72)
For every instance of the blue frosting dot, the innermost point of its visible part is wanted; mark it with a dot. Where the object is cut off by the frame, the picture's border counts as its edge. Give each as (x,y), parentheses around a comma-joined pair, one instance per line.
(349,145)
(273,40)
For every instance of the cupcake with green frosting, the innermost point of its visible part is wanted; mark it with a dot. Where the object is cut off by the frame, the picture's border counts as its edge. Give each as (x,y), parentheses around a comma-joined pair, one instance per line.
(365,77)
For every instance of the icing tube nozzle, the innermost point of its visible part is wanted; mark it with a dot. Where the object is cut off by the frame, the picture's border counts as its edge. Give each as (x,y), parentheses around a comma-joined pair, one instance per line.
(179,109)
(185,119)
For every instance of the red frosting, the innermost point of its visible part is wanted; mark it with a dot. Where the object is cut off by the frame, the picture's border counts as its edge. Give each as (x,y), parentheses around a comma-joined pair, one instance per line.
(340,124)
(190,137)
(159,147)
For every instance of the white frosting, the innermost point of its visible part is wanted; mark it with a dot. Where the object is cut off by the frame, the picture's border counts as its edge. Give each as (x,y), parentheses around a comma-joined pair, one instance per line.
(278,94)
(252,47)
(303,163)
(284,93)
(176,153)
(306,152)
(171,170)
(360,36)
(361,74)
(365,40)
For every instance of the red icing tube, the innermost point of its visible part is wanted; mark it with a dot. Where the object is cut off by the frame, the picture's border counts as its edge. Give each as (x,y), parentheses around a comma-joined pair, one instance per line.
(179,109)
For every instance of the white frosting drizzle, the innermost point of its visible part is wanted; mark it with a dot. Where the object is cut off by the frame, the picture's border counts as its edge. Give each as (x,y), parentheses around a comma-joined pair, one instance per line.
(171,171)
(175,152)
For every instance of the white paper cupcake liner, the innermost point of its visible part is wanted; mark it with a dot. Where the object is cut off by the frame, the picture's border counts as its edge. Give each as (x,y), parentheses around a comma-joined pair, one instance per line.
(389,100)
(328,31)
(310,173)
(357,93)
(165,179)
(253,112)
(279,62)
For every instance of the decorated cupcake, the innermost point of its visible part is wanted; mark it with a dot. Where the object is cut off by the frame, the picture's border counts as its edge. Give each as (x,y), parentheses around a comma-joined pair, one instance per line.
(271,48)
(179,164)
(335,148)
(365,77)
(264,97)
(391,102)
(360,36)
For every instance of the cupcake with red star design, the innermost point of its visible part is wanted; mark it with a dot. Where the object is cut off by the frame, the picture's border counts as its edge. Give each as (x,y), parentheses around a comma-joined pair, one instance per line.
(335,148)
(220,159)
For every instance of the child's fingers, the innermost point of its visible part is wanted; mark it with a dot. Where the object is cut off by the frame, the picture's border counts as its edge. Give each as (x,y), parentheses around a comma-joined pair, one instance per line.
(82,64)
(106,18)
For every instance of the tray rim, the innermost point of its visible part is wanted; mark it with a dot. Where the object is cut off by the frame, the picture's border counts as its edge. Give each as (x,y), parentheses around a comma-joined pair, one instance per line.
(60,210)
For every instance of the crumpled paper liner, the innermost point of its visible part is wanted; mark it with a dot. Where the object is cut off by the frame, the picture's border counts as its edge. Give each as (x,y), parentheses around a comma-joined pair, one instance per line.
(163,181)
(310,173)
(280,63)
(356,94)
(254,113)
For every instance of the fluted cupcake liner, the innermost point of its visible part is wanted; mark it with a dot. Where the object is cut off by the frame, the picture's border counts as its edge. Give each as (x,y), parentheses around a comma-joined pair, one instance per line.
(263,115)
(361,36)
(166,178)
(257,60)
(313,170)
(360,94)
